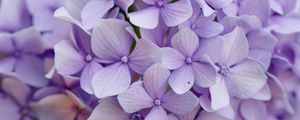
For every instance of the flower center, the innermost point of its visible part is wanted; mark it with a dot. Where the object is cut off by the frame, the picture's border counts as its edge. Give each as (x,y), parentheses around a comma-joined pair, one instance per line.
(17,53)
(224,70)
(124,59)
(188,60)
(88,58)
(159,4)
(136,116)
(157,102)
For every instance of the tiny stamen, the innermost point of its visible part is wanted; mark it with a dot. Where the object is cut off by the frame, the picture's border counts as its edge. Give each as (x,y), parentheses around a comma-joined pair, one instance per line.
(159,4)
(224,70)
(88,58)
(157,102)
(188,60)
(124,59)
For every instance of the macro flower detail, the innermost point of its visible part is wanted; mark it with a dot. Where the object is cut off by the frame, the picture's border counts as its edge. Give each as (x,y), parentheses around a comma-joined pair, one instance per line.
(187,59)
(172,13)
(238,76)
(152,93)
(149,59)
(113,48)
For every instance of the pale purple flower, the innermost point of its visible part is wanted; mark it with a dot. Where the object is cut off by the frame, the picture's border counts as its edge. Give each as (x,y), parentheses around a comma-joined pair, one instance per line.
(76,57)
(191,60)
(152,93)
(238,76)
(172,13)
(22,50)
(261,42)
(111,43)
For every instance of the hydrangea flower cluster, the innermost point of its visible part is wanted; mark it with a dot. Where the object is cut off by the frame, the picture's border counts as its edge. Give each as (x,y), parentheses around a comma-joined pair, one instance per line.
(149,59)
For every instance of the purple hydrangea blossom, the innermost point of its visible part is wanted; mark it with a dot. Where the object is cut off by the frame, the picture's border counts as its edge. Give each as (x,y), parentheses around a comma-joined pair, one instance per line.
(151,93)
(113,48)
(172,13)
(150,59)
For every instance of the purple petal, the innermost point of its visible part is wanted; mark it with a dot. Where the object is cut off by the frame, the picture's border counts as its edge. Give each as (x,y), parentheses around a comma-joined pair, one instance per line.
(219,3)
(182,79)
(87,75)
(63,14)
(67,59)
(14,15)
(111,80)
(236,47)
(177,13)
(7,65)
(191,115)
(29,40)
(110,40)
(74,7)
(185,41)
(108,109)
(261,56)
(205,74)
(285,25)
(36,75)
(207,10)
(155,80)
(219,95)
(16,89)
(6,43)
(9,110)
(172,59)
(246,79)
(124,4)
(210,116)
(135,98)
(276,7)
(157,35)
(208,47)
(262,40)
(264,94)
(247,22)
(205,103)
(260,8)
(157,113)
(180,104)
(254,110)
(208,29)
(144,55)
(147,18)
(93,11)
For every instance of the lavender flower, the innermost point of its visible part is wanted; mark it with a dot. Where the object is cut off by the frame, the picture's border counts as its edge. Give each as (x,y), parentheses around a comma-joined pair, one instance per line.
(151,93)
(238,76)
(172,13)
(111,43)
(188,59)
